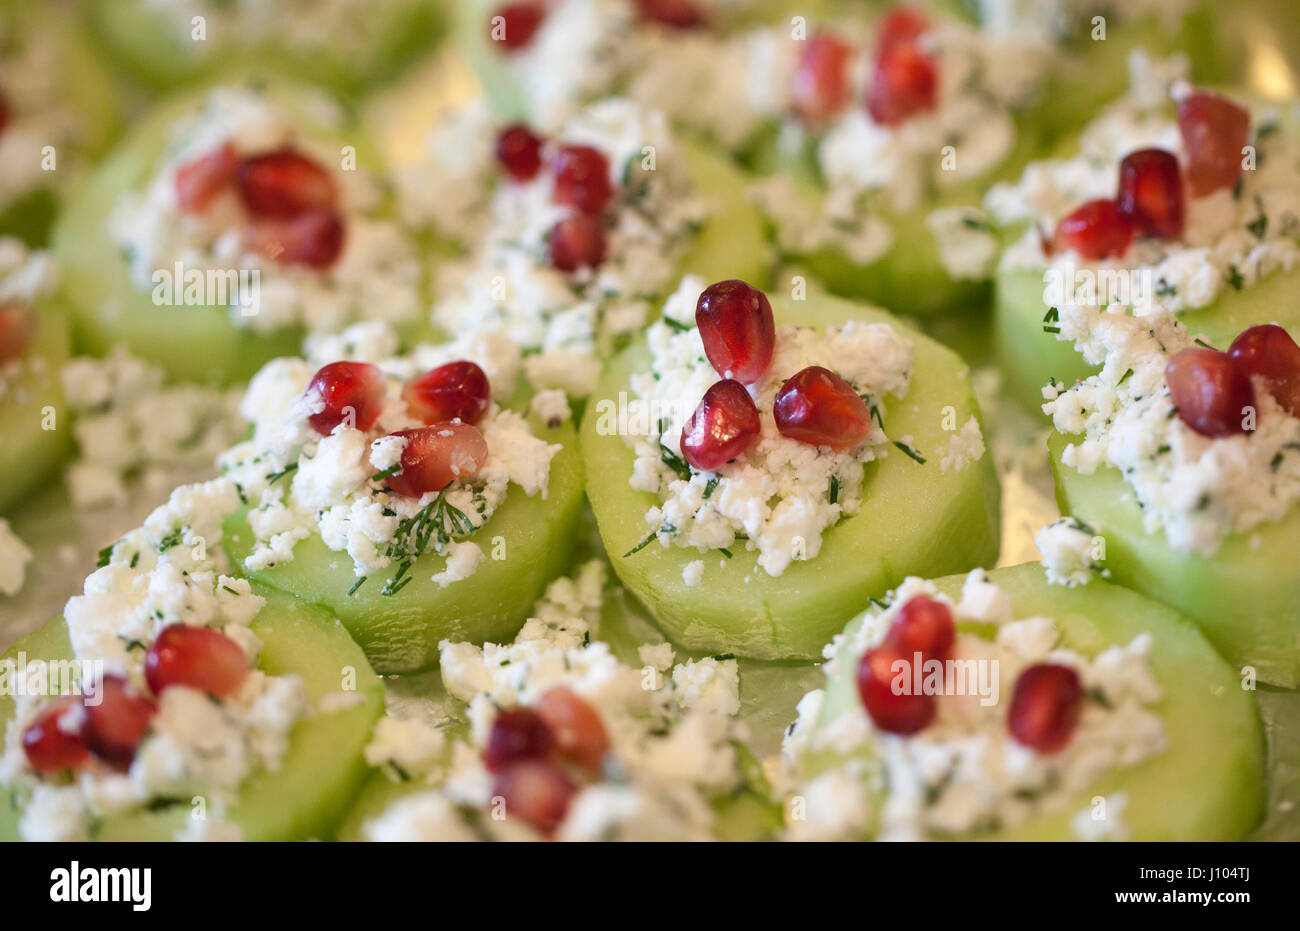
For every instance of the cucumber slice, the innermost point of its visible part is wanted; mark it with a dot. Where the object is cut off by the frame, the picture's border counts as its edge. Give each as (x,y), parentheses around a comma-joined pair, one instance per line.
(323,766)
(30,454)
(915,519)
(1246,597)
(1030,357)
(1212,722)
(527,541)
(732,240)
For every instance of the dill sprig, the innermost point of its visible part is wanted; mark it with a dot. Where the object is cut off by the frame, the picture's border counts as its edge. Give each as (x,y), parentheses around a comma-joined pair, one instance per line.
(439,522)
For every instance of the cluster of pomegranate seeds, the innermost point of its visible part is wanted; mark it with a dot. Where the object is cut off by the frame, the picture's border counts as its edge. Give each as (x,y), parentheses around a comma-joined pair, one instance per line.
(1151,192)
(17,325)
(1214,131)
(437,455)
(724,425)
(737,328)
(1211,391)
(1045,707)
(519,22)
(577,241)
(905,80)
(1096,230)
(519,152)
(114,727)
(199,181)
(1268,352)
(455,391)
(679,14)
(53,744)
(527,750)
(821,80)
(203,659)
(353,392)
(818,407)
(925,628)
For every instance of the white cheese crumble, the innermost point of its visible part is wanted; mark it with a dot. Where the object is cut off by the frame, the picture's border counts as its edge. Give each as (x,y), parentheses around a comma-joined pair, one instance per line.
(26,278)
(965,446)
(1067,547)
(14,557)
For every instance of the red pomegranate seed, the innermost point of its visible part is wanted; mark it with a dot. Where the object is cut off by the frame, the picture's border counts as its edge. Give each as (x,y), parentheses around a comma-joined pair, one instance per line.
(897,712)
(517,734)
(283,183)
(455,391)
(519,23)
(575,726)
(437,455)
(1151,192)
(314,239)
(114,726)
(535,791)
(821,79)
(199,657)
(924,626)
(199,181)
(582,179)
(737,329)
(679,14)
(724,425)
(1045,707)
(1097,230)
(1211,391)
(17,326)
(352,391)
(817,407)
(1269,352)
(6,113)
(903,25)
(519,152)
(905,82)
(577,242)
(48,746)
(1214,131)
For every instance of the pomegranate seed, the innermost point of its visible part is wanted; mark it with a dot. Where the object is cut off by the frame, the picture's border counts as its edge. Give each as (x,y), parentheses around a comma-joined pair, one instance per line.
(437,455)
(1214,131)
(579,736)
(353,392)
(1269,352)
(284,183)
(455,391)
(1045,707)
(679,14)
(314,239)
(924,626)
(905,82)
(1097,230)
(577,242)
(17,325)
(519,22)
(737,329)
(818,407)
(903,25)
(536,792)
(199,181)
(900,712)
(1211,391)
(582,179)
(821,80)
(49,747)
(199,657)
(114,727)
(1151,192)
(519,152)
(6,113)
(517,734)
(724,425)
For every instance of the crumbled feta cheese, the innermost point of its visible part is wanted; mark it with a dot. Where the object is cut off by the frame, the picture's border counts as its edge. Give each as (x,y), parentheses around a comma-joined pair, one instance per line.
(693,573)
(408,747)
(1067,549)
(14,557)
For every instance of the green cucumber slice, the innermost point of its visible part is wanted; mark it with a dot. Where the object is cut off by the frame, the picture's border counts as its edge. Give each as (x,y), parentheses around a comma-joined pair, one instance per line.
(1212,722)
(30,454)
(915,519)
(323,767)
(1246,597)
(732,241)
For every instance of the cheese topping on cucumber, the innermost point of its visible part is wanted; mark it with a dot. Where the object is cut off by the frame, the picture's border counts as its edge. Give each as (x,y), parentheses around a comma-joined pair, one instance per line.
(25,277)
(1057,19)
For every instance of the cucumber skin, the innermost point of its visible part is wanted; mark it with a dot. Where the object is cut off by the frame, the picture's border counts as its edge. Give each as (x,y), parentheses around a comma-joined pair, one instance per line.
(794,616)
(29,455)
(1213,723)
(323,768)
(400,633)
(1245,600)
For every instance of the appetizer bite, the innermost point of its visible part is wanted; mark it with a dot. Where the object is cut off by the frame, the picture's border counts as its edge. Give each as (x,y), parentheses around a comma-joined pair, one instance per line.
(171,701)
(415,497)
(1185,459)
(999,706)
(758,467)
(230,222)
(1178,194)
